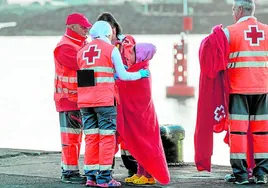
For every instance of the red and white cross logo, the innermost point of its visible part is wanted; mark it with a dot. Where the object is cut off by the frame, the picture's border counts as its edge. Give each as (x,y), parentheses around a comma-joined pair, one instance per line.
(254,35)
(91,54)
(219,113)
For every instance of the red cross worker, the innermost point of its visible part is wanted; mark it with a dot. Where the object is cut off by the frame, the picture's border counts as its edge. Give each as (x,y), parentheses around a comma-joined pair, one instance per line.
(97,99)
(248,101)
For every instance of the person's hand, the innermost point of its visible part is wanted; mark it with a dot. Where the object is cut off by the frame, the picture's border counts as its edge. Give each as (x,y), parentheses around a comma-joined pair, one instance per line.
(144,73)
(126,67)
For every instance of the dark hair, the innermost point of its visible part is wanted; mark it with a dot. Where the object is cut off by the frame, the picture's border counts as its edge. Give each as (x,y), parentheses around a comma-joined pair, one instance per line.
(108,17)
(134,50)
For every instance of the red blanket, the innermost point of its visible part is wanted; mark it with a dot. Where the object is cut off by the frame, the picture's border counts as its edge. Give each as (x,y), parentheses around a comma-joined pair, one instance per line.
(138,126)
(212,106)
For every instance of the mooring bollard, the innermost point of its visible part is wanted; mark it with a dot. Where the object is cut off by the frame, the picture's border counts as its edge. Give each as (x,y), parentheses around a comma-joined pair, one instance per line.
(172,138)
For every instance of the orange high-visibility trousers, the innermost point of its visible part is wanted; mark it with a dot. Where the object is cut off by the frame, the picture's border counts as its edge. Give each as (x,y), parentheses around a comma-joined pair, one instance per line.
(248,130)
(71,137)
(99,128)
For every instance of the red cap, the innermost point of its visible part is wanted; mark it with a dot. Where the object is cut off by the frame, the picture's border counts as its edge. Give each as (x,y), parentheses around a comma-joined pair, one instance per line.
(77,18)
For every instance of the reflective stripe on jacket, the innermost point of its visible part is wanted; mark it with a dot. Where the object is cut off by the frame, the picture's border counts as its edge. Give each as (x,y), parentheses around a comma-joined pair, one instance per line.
(65,82)
(97,56)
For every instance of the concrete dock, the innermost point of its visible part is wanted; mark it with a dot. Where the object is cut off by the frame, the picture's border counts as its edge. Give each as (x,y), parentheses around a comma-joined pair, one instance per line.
(41,169)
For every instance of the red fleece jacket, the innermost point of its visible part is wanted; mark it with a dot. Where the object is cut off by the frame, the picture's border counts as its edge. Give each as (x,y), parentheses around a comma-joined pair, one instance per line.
(66,56)
(213,97)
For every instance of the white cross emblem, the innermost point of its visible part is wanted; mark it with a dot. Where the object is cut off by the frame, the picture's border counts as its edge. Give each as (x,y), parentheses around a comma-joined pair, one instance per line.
(219,113)
(91,54)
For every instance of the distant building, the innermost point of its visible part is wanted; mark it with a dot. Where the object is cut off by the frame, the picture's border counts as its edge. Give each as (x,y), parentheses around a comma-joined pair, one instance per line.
(27,2)
(260,2)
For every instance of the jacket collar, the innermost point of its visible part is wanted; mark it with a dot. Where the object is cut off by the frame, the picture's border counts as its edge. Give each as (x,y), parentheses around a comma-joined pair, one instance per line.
(246,18)
(76,38)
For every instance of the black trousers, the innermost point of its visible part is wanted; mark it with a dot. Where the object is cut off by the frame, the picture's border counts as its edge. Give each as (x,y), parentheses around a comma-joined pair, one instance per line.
(130,163)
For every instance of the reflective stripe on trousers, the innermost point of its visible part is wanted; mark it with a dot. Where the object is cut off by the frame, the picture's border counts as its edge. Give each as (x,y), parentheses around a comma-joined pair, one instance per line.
(248,133)
(71,137)
(99,128)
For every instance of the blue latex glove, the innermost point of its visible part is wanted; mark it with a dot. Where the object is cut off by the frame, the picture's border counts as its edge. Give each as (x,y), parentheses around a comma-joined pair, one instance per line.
(144,73)
(126,67)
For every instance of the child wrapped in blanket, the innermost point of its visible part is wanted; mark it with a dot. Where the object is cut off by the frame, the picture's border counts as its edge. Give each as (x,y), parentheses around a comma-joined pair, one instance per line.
(137,122)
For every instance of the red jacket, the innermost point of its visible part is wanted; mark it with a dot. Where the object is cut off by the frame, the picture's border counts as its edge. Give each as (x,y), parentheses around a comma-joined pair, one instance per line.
(65,55)
(126,48)
(96,56)
(213,97)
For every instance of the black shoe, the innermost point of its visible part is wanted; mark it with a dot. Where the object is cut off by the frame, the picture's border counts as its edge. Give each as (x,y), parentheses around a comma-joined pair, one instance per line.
(241,182)
(229,178)
(76,179)
(260,179)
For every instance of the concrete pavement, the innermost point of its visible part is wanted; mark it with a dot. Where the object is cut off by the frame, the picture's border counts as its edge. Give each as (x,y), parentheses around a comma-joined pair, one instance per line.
(41,169)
